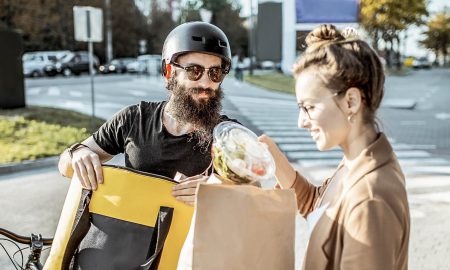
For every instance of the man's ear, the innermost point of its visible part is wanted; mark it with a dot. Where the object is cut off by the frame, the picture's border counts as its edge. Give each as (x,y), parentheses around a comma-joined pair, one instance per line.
(353,99)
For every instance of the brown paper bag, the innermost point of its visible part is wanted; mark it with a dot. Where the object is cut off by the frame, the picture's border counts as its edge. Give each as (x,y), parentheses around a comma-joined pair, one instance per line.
(243,227)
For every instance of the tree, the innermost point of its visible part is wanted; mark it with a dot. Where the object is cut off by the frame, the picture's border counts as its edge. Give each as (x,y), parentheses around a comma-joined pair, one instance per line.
(160,26)
(437,36)
(225,15)
(190,12)
(129,26)
(386,19)
(48,24)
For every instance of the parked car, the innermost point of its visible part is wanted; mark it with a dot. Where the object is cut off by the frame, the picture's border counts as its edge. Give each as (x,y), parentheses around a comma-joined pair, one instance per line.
(133,67)
(35,63)
(118,65)
(73,63)
(421,63)
(149,64)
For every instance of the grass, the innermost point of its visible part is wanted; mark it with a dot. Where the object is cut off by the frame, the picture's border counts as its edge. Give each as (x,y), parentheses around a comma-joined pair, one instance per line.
(273,81)
(285,83)
(36,132)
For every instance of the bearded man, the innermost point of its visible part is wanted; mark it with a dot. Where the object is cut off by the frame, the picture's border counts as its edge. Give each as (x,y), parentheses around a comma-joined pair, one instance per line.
(169,136)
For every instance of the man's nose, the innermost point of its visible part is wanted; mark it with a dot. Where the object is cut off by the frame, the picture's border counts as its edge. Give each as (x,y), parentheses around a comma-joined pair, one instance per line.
(205,81)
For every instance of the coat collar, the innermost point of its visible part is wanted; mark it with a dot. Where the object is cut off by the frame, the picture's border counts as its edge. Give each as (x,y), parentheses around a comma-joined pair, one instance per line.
(374,156)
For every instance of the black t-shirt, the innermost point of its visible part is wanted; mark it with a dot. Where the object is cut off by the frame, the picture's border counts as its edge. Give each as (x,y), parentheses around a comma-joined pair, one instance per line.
(138,132)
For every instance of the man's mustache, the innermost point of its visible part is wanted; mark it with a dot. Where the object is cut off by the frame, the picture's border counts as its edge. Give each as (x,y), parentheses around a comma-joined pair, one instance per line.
(199,90)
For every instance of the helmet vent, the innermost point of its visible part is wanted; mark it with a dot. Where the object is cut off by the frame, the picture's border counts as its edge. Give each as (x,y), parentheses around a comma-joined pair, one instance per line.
(222,43)
(197,38)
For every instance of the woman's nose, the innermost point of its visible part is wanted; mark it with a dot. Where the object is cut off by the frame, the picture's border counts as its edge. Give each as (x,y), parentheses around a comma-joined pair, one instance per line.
(303,120)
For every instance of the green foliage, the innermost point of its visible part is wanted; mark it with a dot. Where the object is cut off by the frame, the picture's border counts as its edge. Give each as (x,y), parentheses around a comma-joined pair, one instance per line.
(273,81)
(387,18)
(437,35)
(48,24)
(31,133)
(225,15)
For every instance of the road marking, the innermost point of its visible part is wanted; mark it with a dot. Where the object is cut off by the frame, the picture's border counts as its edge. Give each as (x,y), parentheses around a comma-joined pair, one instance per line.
(434,196)
(73,104)
(414,213)
(268,100)
(53,91)
(442,116)
(427,183)
(412,123)
(34,90)
(138,93)
(76,93)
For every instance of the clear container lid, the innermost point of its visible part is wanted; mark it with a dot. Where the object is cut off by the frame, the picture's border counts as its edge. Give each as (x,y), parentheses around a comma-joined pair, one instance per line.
(238,154)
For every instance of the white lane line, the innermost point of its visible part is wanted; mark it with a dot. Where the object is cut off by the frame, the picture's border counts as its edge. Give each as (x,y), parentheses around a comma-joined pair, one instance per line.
(109,105)
(414,213)
(280,123)
(70,104)
(429,182)
(76,94)
(277,133)
(137,93)
(442,116)
(434,196)
(257,100)
(53,91)
(34,91)
(412,123)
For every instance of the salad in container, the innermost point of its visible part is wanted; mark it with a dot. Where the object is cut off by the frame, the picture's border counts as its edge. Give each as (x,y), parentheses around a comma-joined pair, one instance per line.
(239,156)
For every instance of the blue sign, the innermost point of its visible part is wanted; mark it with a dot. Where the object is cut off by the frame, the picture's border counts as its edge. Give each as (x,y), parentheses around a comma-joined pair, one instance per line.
(327,11)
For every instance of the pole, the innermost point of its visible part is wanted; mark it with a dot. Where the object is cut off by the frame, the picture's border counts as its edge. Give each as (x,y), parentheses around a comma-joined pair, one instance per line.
(250,38)
(109,46)
(91,72)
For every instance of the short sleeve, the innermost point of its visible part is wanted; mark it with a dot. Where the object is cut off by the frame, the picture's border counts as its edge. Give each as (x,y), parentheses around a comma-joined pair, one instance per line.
(111,136)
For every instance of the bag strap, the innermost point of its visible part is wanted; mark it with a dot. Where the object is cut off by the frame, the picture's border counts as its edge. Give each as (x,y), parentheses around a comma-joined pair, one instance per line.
(80,228)
(160,232)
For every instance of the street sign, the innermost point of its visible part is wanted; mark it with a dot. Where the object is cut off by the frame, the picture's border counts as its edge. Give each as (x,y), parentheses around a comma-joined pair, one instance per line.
(88,22)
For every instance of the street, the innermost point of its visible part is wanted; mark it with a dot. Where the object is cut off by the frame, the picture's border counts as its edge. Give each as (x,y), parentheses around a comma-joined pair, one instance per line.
(415,115)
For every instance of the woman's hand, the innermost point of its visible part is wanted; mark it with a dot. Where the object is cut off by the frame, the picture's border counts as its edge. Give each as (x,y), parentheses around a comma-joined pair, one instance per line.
(284,172)
(185,190)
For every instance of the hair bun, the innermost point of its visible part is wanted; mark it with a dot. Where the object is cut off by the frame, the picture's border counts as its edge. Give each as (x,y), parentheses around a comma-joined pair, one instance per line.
(325,32)
(350,33)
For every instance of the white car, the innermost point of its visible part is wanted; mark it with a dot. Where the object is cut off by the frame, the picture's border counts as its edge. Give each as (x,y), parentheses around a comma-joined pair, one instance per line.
(34,63)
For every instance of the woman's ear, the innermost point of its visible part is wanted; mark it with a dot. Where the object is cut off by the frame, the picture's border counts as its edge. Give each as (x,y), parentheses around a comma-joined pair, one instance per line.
(353,100)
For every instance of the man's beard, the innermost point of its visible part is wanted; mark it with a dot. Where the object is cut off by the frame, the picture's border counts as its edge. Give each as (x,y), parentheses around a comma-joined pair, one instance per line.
(204,115)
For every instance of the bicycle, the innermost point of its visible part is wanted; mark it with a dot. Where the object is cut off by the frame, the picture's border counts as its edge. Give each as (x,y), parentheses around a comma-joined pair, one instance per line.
(34,242)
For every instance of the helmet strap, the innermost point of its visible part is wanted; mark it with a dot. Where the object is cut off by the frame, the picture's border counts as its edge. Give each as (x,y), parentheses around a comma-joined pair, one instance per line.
(168,71)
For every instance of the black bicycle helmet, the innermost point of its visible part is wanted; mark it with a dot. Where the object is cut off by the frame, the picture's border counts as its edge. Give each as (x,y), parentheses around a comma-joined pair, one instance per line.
(196,37)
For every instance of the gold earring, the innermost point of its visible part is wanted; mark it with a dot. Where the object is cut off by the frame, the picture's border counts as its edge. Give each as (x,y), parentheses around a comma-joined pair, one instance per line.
(350,118)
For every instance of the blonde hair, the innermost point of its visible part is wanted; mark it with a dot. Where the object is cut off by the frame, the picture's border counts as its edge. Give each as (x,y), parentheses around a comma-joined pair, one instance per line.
(342,61)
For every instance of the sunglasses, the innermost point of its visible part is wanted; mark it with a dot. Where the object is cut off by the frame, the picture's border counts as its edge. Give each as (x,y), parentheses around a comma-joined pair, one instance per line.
(195,72)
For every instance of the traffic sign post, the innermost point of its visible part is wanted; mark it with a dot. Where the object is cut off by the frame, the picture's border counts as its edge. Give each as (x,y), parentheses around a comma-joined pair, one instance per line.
(88,23)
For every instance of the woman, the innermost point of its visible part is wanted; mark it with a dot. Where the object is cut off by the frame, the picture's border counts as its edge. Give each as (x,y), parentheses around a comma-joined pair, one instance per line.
(359,217)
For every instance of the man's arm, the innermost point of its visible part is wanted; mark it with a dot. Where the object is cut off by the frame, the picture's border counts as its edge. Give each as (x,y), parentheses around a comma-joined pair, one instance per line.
(86,162)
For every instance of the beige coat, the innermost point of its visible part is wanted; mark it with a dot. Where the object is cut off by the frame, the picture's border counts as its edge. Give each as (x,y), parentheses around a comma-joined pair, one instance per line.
(368,227)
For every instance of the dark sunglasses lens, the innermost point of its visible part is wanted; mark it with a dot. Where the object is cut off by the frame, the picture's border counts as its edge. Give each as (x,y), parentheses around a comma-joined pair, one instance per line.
(216,74)
(195,72)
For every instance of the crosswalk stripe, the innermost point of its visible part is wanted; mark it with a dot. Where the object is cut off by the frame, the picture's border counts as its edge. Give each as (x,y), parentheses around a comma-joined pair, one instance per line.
(278,119)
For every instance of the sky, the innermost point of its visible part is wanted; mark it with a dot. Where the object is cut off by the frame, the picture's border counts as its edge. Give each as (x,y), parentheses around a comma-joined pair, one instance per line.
(411,48)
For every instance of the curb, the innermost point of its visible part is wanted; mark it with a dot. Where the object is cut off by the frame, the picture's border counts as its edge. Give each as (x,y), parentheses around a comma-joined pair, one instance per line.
(28,165)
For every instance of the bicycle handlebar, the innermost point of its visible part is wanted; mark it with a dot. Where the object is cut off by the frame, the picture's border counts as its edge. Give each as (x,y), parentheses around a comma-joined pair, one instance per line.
(23,239)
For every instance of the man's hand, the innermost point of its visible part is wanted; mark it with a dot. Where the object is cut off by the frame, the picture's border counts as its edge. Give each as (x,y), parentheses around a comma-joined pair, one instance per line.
(185,190)
(88,167)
